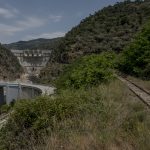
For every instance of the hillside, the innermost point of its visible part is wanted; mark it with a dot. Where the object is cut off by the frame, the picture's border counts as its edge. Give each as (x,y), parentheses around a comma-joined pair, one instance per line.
(9,65)
(111,28)
(135,59)
(35,44)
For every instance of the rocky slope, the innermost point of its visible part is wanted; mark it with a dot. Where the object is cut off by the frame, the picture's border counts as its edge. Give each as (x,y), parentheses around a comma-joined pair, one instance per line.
(9,65)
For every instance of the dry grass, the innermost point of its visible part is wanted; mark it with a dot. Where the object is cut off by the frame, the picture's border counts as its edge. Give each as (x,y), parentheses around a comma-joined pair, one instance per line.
(122,125)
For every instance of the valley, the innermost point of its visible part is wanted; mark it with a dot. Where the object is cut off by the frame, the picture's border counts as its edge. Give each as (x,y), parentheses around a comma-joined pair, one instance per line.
(88,90)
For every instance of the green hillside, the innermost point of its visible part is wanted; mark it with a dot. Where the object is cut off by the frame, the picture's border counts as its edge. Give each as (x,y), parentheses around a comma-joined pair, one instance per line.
(108,29)
(9,65)
(35,44)
(111,28)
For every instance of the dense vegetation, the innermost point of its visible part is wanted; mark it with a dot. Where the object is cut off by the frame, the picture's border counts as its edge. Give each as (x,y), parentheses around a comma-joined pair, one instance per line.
(135,59)
(9,65)
(35,44)
(111,28)
(103,117)
(89,70)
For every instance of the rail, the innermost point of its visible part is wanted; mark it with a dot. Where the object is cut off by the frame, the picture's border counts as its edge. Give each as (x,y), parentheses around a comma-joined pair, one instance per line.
(140,92)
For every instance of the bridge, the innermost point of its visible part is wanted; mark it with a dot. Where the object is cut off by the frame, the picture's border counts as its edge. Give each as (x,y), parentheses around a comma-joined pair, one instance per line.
(32,60)
(12,91)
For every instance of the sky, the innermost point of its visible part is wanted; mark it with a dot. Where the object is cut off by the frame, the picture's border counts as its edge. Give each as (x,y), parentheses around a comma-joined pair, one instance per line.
(32,19)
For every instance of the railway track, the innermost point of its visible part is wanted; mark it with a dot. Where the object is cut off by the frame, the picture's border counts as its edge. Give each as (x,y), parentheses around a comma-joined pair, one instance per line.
(141,93)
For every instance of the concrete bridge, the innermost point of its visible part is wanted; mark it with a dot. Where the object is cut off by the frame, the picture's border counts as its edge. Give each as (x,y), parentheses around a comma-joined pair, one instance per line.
(32,60)
(12,91)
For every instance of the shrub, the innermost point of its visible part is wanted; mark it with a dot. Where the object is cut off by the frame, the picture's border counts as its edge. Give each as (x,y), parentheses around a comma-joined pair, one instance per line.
(87,71)
(5,108)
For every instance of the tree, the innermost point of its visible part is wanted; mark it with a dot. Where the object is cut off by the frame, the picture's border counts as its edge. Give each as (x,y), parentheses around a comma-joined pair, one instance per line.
(136,57)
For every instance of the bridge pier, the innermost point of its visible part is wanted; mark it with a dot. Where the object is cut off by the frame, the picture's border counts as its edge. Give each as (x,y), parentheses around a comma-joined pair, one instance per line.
(2,97)
(13,92)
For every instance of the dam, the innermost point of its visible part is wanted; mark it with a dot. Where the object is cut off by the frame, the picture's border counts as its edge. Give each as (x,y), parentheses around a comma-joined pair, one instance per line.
(32,60)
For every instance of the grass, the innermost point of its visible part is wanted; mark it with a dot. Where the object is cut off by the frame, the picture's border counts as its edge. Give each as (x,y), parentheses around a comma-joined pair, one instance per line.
(107,117)
(112,118)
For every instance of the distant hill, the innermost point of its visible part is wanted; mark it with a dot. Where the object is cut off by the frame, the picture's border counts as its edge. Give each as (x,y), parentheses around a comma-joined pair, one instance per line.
(35,44)
(9,65)
(111,28)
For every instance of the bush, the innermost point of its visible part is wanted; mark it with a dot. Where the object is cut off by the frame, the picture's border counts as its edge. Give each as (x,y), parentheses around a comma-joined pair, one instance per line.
(5,108)
(87,71)
(135,59)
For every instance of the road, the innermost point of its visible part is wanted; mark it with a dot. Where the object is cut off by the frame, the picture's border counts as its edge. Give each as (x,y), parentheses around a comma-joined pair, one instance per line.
(46,90)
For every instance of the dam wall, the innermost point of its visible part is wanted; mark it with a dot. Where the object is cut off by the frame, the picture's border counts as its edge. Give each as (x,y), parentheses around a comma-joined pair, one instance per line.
(32,60)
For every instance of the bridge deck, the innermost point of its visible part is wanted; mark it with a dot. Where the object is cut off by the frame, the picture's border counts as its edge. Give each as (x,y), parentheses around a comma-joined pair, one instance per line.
(17,90)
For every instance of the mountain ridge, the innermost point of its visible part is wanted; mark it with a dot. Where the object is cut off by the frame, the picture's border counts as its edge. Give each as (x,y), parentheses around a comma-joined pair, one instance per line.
(40,43)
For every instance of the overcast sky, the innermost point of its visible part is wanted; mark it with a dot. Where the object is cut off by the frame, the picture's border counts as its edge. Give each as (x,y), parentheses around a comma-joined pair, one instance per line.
(31,19)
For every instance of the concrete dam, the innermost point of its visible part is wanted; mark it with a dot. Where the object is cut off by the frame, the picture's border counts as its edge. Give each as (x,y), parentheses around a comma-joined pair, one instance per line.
(32,60)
